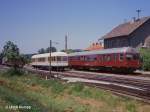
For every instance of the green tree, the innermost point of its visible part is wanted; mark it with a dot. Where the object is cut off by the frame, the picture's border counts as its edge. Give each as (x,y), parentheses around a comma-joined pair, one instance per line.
(41,51)
(1,56)
(72,50)
(145,55)
(53,49)
(11,55)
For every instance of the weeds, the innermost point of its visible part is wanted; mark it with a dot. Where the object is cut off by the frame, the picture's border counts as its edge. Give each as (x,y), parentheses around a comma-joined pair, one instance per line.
(130,106)
(55,96)
(14,72)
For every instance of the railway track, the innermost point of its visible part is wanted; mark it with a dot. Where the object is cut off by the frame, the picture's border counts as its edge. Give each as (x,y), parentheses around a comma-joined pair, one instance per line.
(138,88)
(135,87)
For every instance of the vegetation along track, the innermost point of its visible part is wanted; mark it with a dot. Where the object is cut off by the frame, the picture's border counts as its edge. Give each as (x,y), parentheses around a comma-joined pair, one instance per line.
(138,88)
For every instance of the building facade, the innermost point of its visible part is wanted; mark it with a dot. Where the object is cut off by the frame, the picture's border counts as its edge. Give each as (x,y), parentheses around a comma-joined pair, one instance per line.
(134,34)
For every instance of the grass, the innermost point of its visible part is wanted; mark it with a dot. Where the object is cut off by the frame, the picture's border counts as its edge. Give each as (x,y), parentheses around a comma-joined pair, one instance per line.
(57,96)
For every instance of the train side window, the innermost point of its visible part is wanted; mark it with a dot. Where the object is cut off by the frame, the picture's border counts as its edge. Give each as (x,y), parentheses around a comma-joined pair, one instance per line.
(64,58)
(55,58)
(92,58)
(103,57)
(33,60)
(52,58)
(77,58)
(82,58)
(41,59)
(100,58)
(108,58)
(115,57)
(85,58)
(58,58)
(121,57)
(49,58)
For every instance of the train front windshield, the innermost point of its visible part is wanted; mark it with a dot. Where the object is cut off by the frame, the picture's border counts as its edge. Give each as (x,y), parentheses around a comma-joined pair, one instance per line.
(132,56)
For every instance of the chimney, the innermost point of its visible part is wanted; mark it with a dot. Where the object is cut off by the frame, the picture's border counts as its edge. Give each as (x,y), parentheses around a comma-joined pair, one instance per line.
(134,19)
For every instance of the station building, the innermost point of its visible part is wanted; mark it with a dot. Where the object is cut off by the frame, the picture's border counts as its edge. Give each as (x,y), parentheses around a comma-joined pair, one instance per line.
(135,33)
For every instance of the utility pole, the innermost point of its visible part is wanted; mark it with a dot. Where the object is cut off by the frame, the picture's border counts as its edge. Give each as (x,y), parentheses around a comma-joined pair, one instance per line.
(138,13)
(66,39)
(50,52)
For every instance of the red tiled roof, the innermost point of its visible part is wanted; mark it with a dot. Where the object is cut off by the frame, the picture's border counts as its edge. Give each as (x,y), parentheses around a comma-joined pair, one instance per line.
(126,28)
(94,46)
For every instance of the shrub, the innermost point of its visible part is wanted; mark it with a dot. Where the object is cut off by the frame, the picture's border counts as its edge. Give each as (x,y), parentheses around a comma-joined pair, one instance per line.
(13,72)
(145,55)
(78,87)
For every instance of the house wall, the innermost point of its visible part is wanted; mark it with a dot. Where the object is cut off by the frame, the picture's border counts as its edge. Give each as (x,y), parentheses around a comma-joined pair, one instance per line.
(116,42)
(138,38)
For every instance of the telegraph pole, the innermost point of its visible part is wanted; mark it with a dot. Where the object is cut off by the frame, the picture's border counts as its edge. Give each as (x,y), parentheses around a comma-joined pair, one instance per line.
(50,52)
(66,39)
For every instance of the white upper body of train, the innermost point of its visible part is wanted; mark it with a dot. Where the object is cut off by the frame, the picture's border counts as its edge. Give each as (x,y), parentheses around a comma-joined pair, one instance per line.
(58,59)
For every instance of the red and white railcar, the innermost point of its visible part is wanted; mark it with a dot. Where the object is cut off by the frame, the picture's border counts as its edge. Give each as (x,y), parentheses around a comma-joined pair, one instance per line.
(125,58)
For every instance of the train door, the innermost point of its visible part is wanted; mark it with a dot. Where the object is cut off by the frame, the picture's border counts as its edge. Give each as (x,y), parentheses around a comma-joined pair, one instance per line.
(115,59)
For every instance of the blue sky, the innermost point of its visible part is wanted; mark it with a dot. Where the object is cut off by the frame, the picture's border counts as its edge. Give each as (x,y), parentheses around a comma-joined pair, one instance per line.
(32,23)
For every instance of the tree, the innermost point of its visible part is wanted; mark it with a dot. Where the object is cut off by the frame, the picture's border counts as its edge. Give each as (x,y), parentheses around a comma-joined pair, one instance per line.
(53,49)
(145,55)
(11,55)
(68,51)
(41,51)
(72,50)
(1,56)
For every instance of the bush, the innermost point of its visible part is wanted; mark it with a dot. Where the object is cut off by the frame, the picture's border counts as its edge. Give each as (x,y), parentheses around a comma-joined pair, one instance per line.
(145,55)
(13,72)
(78,87)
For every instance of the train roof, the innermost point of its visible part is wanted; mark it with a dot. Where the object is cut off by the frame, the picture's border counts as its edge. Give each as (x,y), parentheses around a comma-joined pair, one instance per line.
(48,54)
(106,51)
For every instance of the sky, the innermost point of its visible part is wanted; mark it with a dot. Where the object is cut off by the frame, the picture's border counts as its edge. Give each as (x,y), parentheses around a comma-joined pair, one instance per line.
(32,23)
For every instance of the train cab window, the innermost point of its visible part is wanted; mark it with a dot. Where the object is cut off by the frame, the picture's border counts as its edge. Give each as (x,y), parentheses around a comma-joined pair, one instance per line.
(129,56)
(136,56)
(121,57)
